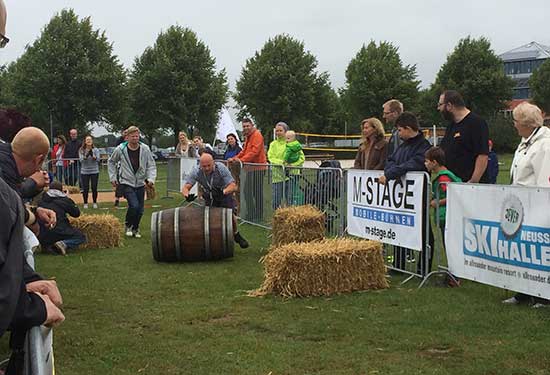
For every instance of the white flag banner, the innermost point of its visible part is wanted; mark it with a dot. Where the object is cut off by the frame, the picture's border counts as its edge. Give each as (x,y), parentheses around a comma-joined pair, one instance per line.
(225,126)
(500,235)
(390,213)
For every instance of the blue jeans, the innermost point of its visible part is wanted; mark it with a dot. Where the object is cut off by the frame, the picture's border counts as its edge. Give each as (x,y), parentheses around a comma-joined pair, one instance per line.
(73,242)
(277,194)
(136,199)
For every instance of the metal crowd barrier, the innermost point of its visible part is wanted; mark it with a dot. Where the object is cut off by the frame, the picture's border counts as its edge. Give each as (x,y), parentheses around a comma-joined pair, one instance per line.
(67,171)
(324,188)
(266,187)
(412,262)
(441,267)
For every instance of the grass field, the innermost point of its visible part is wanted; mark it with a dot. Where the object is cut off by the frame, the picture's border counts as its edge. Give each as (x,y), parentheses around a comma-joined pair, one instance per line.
(127,314)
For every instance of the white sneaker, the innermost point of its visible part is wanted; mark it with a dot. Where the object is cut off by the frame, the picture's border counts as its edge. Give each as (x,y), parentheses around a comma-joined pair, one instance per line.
(539,305)
(85,206)
(94,205)
(137,234)
(511,301)
(129,232)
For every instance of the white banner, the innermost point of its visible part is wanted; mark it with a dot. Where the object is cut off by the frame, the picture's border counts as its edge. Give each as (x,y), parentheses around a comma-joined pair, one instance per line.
(390,213)
(186,166)
(225,126)
(500,235)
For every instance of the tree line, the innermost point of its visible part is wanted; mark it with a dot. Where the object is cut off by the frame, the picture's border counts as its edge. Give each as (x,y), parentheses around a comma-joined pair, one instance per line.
(70,77)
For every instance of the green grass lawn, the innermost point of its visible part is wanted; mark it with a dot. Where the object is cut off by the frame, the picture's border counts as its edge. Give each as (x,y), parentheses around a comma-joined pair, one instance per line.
(127,314)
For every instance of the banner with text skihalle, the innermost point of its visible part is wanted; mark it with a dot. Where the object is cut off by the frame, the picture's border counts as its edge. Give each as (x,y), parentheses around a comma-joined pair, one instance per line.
(390,213)
(500,235)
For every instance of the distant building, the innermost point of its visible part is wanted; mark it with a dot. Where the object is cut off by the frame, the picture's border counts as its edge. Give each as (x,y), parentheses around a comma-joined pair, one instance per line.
(520,63)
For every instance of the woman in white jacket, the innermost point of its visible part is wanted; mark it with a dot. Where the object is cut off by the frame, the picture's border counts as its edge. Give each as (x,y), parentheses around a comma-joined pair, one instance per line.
(531,166)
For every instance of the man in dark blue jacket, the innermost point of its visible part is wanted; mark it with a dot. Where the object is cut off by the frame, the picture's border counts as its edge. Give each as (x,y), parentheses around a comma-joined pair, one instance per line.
(409,157)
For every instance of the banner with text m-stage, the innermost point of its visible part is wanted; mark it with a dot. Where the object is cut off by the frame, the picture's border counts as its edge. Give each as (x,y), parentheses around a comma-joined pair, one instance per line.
(500,235)
(390,213)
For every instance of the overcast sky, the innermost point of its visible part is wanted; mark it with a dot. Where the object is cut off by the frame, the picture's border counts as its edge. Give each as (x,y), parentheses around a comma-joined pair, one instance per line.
(425,31)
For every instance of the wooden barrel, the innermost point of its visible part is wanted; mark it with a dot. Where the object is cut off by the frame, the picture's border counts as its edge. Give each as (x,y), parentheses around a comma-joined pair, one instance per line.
(187,234)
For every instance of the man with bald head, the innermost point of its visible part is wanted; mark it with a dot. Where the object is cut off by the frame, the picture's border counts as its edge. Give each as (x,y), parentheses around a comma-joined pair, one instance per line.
(21,159)
(218,186)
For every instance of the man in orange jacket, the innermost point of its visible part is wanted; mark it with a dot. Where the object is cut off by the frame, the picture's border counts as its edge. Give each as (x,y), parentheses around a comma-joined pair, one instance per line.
(253,152)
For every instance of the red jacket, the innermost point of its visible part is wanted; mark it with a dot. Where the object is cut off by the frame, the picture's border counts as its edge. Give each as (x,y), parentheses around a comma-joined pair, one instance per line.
(54,156)
(253,151)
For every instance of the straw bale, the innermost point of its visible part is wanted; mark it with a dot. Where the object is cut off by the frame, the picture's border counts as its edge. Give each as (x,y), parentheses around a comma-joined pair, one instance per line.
(297,224)
(323,268)
(102,231)
(150,191)
(71,189)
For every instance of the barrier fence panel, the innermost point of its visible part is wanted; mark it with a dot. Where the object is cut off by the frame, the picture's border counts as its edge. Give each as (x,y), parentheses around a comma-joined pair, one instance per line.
(68,172)
(323,188)
(396,214)
(261,188)
(173,175)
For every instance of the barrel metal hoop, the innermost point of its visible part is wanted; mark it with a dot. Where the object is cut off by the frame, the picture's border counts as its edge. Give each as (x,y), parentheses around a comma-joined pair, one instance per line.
(207,232)
(224,234)
(154,235)
(177,232)
(159,231)
(230,234)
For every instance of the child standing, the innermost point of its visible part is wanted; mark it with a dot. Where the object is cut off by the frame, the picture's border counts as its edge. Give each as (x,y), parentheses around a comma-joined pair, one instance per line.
(293,156)
(435,163)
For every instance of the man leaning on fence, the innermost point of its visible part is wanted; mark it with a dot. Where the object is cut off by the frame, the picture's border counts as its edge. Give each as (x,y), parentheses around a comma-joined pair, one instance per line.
(131,166)
(71,153)
(218,186)
(253,152)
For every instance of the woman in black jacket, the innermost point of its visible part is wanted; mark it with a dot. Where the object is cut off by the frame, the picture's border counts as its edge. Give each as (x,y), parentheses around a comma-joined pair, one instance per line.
(63,236)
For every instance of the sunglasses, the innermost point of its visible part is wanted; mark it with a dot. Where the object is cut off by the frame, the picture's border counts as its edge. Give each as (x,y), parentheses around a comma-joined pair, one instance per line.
(3,40)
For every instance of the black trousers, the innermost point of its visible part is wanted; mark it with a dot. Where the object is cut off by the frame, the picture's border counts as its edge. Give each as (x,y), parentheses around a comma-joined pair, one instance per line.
(86,179)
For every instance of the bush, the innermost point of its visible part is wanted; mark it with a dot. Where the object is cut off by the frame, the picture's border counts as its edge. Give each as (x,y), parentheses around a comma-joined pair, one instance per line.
(503,134)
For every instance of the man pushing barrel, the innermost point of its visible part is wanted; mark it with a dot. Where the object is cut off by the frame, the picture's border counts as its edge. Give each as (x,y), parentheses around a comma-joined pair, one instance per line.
(218,186)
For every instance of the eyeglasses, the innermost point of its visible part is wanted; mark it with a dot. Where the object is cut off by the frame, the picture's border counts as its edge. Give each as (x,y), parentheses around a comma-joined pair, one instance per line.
(3,40)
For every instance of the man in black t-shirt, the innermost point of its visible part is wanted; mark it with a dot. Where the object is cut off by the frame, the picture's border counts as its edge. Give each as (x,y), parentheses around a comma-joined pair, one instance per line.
(466,141)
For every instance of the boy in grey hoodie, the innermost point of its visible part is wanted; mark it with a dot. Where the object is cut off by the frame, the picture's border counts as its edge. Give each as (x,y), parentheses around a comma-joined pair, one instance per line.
(136,168)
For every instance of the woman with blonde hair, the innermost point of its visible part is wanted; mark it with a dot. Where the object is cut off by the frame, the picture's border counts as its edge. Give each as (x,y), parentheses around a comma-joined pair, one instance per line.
(531,166)
(184,147)
(373,149)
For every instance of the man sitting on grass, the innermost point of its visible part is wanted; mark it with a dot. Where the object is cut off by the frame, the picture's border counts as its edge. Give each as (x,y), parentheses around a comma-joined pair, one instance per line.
(63,236)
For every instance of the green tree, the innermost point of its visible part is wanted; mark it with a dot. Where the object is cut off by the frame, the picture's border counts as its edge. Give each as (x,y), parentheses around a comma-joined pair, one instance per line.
(540,86)
(280,83)
(474,70)
(68,73)
(174,86)
(375,75)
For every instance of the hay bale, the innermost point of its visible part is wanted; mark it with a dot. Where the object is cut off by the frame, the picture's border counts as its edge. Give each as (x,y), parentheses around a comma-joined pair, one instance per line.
(297,224)
(71,189)
(323,268)
(102,231)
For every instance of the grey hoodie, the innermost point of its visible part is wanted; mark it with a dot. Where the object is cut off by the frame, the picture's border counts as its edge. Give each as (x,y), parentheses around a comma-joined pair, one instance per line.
(124,173)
